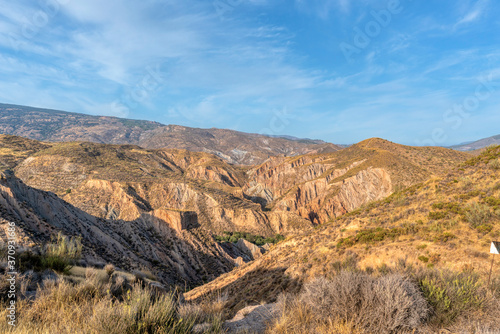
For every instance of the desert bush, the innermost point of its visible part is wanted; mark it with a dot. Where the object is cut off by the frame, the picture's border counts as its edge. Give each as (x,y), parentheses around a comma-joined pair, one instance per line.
(61,253)
(89,307)
(452,294)
(374,235)
(423,258)
(298,318)
(209,310)
(477,214)
(422,246)
(140,312)
(376,305)
(494,164)
(255,239)
(437,215)
(493,202)
(109,269)
(443,237)
(399,305)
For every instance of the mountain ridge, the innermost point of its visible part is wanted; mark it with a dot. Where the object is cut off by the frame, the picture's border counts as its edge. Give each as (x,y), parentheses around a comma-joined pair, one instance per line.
(477,144)
(233,146)
(447,222)
(189,198)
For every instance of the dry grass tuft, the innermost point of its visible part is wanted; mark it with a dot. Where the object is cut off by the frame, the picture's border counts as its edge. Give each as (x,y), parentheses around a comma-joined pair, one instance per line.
(92,307)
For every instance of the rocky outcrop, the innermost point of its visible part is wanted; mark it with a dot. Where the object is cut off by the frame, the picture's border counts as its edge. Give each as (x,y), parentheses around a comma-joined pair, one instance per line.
(176,249)
(320,201)
(177,220)
(307,187)
(250,249)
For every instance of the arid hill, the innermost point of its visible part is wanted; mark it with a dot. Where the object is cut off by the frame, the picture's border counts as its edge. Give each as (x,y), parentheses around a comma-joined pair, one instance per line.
(447,221)
(233,146)
(325,186)
(165,206)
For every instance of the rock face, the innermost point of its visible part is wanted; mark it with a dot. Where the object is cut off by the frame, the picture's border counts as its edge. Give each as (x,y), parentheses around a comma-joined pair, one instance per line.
(253,319)
(169,244)
(322,187)
(182,188)
(250,249)
(306,187)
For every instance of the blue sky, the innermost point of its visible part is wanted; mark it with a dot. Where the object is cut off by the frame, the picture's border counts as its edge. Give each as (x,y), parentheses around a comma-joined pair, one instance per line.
(414,72)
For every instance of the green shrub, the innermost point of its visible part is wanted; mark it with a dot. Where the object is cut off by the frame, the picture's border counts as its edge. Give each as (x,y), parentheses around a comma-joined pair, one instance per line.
(423,258)
(452,294)
(368,236)
(484,228)
(437,215)
(493,202)
(255,239)
(444,237)
(61,253)
(477,214)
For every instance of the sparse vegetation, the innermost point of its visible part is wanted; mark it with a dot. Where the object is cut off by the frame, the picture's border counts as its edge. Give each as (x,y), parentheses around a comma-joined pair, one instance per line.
(452,294)
(402,300)
(58,255)
(94,307)
(255,239)
(478,214)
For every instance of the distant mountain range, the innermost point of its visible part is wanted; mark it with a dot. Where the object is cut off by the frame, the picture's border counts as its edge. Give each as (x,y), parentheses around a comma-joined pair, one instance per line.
(232,146)
(478,144)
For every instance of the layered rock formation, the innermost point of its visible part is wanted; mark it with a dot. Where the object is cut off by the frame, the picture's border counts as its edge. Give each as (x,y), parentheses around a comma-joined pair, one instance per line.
(322,187)
(159,209)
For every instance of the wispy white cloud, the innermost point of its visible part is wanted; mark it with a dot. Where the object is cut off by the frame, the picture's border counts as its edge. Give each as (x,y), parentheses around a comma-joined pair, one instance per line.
(473,13)
(94,57)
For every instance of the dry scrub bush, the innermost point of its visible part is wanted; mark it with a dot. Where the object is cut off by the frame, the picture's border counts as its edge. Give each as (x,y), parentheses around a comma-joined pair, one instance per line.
(494,164)
(109,269)
(299,318)
(62,252)
(140,312)
(354,301)
(89,307)
(210,310)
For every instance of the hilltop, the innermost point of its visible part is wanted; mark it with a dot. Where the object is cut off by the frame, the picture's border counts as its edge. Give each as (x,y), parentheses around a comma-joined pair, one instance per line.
(171,217)
(320,187)
(232,146)
(190,198)
(446,221)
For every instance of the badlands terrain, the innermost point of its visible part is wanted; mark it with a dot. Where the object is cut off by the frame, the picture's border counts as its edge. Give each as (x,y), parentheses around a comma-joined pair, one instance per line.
(184,211)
